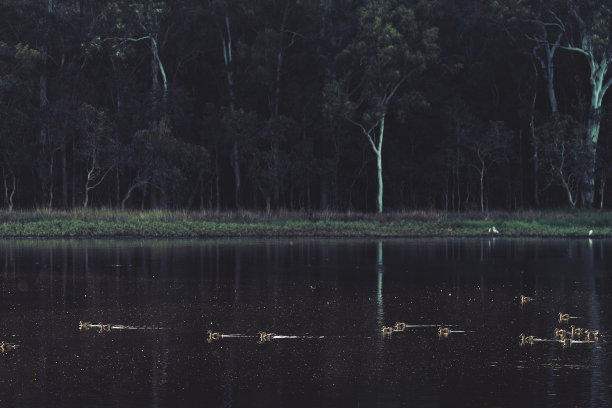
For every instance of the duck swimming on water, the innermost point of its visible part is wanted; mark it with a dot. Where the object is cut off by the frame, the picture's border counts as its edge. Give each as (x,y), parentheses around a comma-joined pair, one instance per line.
(4,346)
(263,336)
(526,339)
(576,331)
(444,331)
(591,335)
(213,336)
(563,317)
(400,326)
(525,299)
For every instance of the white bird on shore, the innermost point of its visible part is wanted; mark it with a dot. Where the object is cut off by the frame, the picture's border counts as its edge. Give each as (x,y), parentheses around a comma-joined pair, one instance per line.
(493,230)
(590,233)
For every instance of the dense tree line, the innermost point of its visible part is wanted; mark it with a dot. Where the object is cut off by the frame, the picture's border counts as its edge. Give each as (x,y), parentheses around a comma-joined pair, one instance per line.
(298,104)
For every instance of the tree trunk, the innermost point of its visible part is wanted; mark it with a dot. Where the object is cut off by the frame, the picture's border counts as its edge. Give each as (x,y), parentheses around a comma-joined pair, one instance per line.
(192,196)
(129,192)
(235,155)
(534,141)
(481,172)
(276,108)
(117,188)
(549,75)
(43,97)
(378,151)
(64,177)
(588,182)
(9,192)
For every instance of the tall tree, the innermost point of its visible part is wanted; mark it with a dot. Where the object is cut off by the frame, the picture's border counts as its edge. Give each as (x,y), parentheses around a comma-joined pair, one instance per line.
(588,33)
(393,43)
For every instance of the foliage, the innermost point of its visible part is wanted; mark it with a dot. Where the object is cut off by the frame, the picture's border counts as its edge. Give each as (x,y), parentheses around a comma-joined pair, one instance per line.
(162,104)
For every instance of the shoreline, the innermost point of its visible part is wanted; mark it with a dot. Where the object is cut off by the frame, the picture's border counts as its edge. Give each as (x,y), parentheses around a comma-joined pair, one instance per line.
(115,224)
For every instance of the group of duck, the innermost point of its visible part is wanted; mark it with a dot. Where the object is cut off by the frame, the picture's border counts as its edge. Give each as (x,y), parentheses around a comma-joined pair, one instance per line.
(387,331)
(262,336)
(102,327)
(568,336)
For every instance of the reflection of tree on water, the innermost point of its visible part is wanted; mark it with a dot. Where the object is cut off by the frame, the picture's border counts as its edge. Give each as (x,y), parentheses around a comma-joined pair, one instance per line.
(594,311)
(380,269)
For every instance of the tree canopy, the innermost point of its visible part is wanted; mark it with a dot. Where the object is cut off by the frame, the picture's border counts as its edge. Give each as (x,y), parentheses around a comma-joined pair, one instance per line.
(283,104)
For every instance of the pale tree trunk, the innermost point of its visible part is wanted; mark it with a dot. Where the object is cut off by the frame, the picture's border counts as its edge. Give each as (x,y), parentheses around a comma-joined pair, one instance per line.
(599,85)
(481,172)
(376,144)
(378,151)
(9,191)
(592,136)
(128,194)
(548,66)
(64,177)
(93,179)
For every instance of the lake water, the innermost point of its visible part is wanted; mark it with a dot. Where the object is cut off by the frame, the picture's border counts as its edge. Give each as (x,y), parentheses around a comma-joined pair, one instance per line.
(326,300)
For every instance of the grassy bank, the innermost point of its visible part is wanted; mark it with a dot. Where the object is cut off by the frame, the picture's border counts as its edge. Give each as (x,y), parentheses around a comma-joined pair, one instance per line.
(113,223)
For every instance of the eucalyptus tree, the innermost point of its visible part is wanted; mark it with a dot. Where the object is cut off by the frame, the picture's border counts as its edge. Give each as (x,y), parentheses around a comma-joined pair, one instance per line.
(488,145)
(564,154)
(229,17)
(534,27)
(587,33)
(124,23)
(97,148)
(18,75)
(582,27)
(268,55)
(392,44)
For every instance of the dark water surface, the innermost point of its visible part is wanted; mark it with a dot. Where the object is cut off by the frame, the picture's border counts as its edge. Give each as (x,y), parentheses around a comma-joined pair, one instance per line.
(327,301)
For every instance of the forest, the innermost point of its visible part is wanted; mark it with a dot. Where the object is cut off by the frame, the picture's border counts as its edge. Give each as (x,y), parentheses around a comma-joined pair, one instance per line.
(305,105)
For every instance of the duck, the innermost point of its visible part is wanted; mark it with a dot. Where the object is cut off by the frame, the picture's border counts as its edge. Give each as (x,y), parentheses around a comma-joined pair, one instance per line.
(103,327)
(444,331)
(576,331)
(591,335)
(525,299)
(560,333)
(526,339)
(4,346)
(84,325)
(213,335)
(400,326)
(563,317)
(263,336)
(387,330)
